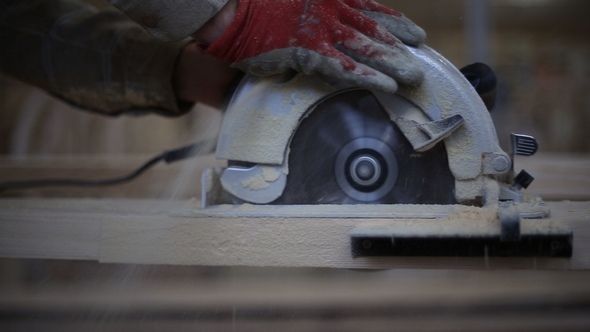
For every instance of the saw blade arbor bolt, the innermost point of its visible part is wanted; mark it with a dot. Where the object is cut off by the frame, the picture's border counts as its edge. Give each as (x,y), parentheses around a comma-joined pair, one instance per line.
(365,170)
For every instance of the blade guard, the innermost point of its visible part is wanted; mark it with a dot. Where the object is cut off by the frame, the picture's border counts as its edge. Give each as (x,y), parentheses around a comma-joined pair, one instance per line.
(264,114)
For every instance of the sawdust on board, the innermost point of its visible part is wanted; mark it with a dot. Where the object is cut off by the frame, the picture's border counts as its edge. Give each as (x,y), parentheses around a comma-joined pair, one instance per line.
(270,174)
(470,214)
(262,180)
(255,182)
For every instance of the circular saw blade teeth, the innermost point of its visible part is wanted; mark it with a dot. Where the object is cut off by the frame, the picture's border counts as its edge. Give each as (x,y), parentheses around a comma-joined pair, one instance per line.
(342,128)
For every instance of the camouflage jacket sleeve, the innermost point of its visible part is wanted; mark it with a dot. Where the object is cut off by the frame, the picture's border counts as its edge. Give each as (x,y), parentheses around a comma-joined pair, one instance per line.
(170,20)
(99,60)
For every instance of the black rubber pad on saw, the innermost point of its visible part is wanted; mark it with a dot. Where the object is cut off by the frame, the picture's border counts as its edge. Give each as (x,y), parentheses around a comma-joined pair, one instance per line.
(554,245)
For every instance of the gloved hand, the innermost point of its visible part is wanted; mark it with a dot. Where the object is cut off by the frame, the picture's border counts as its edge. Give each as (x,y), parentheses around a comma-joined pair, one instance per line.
(353,40)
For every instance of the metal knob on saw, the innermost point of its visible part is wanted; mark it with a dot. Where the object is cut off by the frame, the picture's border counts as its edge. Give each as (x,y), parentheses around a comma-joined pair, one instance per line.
(365,170)
(521,145)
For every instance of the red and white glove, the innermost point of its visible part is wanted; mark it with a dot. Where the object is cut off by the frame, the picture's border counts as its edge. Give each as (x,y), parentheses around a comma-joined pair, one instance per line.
(353,40)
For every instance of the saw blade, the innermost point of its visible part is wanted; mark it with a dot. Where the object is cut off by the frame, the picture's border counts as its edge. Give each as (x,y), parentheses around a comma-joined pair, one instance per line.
(348,151)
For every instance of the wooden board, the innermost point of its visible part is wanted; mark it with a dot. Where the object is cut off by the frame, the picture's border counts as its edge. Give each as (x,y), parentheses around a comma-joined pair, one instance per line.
(144,231)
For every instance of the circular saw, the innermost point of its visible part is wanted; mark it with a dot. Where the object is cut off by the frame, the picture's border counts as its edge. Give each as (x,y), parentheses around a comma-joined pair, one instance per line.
(306,140)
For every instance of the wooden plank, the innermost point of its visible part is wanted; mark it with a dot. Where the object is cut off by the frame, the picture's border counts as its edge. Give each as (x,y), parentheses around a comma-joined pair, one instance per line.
(43,235)
(143,231)
(294,242)
(63,228)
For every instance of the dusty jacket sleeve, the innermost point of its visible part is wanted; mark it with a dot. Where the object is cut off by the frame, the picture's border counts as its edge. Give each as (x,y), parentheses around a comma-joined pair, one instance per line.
(97,60)
(170,20)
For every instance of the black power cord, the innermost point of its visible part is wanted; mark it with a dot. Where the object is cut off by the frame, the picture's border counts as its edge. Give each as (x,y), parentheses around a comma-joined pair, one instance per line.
(168,157)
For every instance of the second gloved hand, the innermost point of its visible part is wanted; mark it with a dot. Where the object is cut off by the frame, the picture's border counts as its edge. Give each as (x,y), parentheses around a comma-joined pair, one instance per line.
(358,41)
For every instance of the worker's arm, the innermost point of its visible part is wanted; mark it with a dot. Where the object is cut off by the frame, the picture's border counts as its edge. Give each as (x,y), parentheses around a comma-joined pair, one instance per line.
(170,20)
(103,61)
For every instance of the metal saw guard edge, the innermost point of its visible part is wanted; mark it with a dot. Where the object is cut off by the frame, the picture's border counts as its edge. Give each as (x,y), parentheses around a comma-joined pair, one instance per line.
(264,114)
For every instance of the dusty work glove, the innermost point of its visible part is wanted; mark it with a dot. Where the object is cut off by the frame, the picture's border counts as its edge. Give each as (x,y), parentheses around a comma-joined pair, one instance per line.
(357,41)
